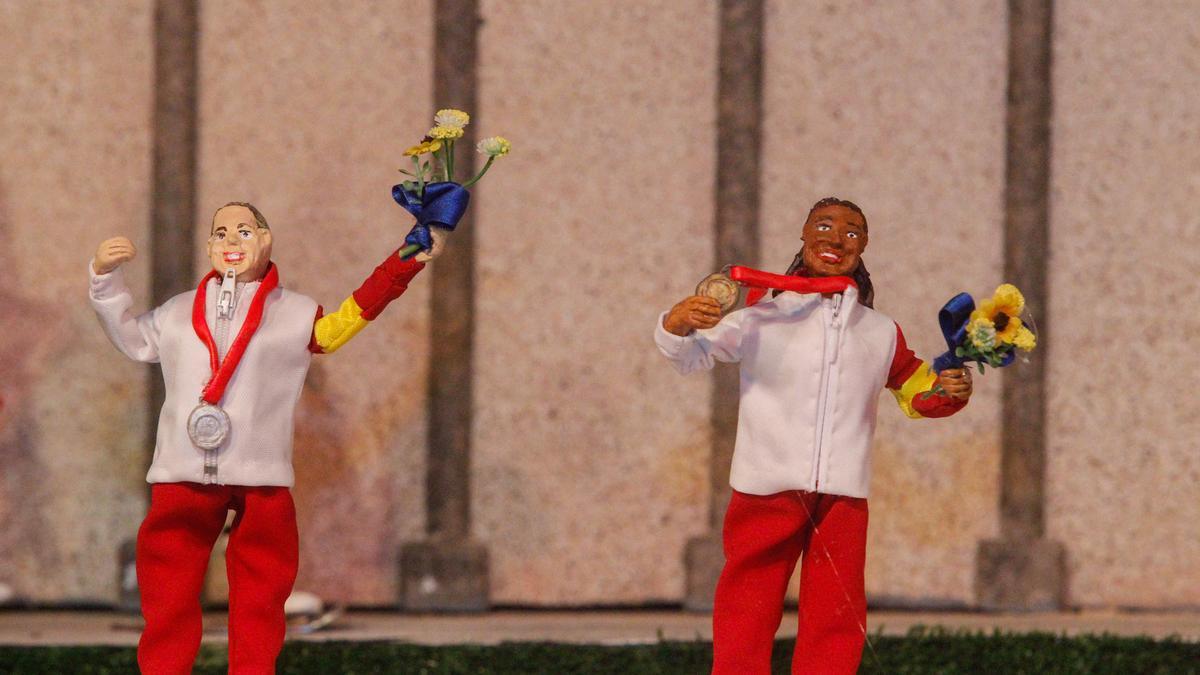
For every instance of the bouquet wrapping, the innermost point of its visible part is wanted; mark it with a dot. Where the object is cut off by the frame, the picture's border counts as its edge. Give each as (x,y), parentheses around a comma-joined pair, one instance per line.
(440,203)
(989,334)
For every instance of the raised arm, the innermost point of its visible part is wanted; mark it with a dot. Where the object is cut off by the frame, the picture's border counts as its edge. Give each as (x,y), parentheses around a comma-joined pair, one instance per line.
(388,282)
(678,338)
(135,336)
(911,380)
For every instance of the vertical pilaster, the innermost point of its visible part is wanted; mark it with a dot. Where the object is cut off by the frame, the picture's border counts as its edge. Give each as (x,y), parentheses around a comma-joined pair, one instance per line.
(739,143)
(173,199)
(448,570)
(1022,570)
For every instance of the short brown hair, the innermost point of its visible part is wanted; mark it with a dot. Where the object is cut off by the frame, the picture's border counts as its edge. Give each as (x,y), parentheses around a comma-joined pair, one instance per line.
(258,216)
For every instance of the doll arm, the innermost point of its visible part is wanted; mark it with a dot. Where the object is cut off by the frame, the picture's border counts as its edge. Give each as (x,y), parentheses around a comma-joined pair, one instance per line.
(135,337)
(909,380)
(702,348)
(388,282)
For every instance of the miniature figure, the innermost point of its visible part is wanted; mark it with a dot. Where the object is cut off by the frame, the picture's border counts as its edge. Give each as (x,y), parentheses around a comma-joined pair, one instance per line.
(240,345)
(813,359)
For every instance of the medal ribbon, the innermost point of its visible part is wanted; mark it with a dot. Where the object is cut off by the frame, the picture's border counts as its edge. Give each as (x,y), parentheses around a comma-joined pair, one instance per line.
(761,281)
(223,370)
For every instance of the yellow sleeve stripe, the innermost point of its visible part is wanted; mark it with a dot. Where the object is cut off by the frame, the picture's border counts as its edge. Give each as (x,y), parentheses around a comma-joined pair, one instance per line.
(334,330)
(918,383)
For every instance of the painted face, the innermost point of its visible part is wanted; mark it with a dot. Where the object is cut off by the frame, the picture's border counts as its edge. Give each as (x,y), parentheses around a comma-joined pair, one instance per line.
(834,239)
(238,241)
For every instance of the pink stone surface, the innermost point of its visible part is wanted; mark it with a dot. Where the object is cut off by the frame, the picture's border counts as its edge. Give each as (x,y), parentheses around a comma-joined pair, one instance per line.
(591,453)
(305,111)
(74,163)
(590,466)
(1124,471)
(900,108)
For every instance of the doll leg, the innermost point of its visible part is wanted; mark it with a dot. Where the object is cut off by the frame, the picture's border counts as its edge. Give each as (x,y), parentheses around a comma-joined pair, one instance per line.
(763,536)
(833,601)
(173,546)
(261,561)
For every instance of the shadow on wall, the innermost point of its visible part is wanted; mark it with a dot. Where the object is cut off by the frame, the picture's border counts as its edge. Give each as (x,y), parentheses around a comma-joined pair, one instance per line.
(25,483)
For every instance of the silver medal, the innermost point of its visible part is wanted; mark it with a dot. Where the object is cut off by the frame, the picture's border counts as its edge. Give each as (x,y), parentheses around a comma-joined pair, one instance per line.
(208,426)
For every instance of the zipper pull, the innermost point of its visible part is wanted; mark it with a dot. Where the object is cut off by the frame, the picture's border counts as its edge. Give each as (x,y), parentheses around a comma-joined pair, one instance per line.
(226,297)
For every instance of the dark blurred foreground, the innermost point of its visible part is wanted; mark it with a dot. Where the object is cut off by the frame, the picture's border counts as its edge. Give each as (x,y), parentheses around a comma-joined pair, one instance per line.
(921,651)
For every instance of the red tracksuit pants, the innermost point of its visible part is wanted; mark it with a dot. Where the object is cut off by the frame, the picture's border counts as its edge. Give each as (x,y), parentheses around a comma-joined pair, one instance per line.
(173,548)
(763,538)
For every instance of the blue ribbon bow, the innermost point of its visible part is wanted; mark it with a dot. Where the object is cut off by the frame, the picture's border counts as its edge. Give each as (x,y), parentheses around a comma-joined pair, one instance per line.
(442,204)
(953,319)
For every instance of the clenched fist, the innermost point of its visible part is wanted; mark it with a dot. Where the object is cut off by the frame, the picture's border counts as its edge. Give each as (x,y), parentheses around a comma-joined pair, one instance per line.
(695,312)
(956,382)
(112,253)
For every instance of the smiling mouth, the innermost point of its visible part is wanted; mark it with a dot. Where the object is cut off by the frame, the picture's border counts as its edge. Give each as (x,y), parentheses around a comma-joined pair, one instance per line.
(829,257)
(234,257)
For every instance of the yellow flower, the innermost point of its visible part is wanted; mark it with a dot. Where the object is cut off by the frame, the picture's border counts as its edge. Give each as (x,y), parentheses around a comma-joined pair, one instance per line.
(1001,311)
(982,333)
(454,119)
(1025,339)
(423,147)
(445,132)
(495,146)
(1009,300)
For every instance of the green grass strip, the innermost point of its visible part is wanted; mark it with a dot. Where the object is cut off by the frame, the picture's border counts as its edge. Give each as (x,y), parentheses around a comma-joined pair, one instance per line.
(921,651)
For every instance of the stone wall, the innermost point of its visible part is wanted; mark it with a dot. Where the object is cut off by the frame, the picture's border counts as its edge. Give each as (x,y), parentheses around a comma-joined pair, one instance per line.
(590,455)
(1124,463)
(74,170)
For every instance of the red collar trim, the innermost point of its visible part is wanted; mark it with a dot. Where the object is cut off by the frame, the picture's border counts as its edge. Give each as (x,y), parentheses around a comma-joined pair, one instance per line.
(223,370)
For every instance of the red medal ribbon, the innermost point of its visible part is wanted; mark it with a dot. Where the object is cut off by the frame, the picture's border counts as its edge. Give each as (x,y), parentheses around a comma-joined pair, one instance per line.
(761,281)
(223,370)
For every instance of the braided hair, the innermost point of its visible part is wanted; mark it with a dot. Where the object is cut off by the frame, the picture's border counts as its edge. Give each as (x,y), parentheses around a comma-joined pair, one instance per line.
(862,278)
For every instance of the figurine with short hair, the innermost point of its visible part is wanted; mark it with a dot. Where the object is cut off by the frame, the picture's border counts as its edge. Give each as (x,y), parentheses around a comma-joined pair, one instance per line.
(234,355)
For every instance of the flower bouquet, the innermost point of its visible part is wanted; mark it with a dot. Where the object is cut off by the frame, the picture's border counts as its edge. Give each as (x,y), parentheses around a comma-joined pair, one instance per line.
(431,194)
(988,334)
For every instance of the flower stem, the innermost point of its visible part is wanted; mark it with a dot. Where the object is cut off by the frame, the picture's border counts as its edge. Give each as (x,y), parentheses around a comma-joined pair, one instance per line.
(420,176)
(408,251)
(481,172)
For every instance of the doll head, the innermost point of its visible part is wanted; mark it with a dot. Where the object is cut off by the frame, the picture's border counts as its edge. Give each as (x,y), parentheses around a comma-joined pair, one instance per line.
(240,238)
(834,238)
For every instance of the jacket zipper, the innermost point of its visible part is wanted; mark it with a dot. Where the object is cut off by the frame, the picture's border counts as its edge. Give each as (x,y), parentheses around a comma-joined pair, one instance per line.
(828,357)
(227,297)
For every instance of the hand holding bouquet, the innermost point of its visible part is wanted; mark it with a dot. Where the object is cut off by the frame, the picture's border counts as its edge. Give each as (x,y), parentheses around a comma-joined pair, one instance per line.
(989,334)
(440,203)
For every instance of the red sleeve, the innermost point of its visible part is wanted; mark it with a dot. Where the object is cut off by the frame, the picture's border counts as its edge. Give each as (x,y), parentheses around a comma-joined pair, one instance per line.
(386,283)
(312,341)
(937,405)
(904,364)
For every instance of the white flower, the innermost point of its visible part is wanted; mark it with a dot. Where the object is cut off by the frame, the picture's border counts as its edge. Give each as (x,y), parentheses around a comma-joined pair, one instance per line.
(982,334)
(495,146)
(454,119)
